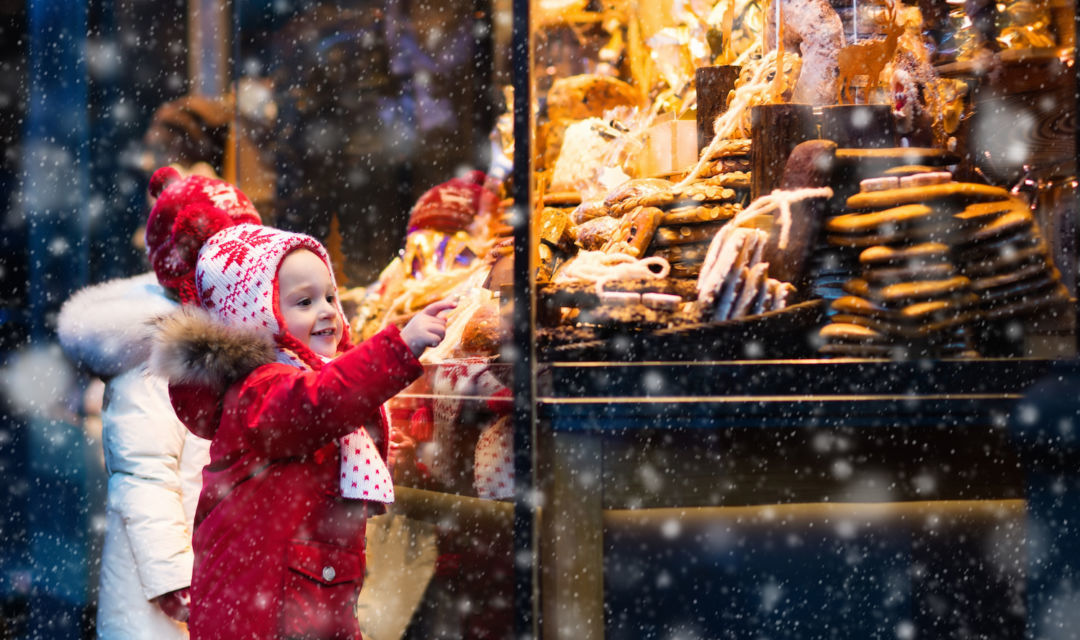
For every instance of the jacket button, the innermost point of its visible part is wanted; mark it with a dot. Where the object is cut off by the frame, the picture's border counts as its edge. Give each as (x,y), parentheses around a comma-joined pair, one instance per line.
(328,573)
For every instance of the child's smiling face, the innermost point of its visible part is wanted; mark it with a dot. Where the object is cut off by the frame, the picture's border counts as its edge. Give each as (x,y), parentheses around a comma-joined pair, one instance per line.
(308,302)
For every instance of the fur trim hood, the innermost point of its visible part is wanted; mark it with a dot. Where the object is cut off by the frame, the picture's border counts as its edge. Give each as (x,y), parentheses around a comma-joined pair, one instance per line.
(192,348)
(108,328)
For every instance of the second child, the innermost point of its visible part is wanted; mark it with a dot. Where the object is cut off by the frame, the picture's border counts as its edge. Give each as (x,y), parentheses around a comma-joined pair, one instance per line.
(259,361)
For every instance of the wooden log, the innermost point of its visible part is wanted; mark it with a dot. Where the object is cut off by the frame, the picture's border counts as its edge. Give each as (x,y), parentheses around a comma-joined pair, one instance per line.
(859,126)
(1025,118)
(713,86)
(775,130)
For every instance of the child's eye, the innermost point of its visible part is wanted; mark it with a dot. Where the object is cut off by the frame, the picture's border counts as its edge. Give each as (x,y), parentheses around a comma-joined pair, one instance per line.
(330,299)
(303,302)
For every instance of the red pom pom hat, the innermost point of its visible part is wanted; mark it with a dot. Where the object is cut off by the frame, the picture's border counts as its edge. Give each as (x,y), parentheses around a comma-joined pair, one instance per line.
(187,211)
(452,205)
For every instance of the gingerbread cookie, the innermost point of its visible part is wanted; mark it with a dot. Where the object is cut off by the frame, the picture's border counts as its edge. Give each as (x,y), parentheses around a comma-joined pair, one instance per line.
(638,188)
(636,229)
(701,191)
(697,214)
(908,170)
(983,212)
(593,234)
(657,199)
(928,328)
(908,315)
(728,148)
(881,222)
(726,166)
(890,256)
(1018,291)
(739,179)
(588,210)
(906,292)
(1011,223)
(963,191)
(1036,270)
(667,236)
(988,252)
(925,179)
(683,253)
(1054,296)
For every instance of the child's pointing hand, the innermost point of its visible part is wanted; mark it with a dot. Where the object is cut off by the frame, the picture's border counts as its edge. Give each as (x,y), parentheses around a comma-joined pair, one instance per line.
(428,327)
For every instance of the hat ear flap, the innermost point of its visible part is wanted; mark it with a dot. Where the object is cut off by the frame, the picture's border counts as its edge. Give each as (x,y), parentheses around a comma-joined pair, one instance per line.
(175,259)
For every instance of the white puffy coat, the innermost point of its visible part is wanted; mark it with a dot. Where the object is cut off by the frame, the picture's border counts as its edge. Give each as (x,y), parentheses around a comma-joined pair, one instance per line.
(154,463)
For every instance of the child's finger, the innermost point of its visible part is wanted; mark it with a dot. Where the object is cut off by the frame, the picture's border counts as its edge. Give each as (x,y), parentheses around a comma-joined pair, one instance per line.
(442,305)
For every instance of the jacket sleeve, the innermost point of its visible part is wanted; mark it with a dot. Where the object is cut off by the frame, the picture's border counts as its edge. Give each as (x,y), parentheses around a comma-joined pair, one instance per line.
(143,443)
(290,411)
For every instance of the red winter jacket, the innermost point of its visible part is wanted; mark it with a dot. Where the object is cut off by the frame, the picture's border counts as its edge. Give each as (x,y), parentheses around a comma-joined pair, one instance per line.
(278,552)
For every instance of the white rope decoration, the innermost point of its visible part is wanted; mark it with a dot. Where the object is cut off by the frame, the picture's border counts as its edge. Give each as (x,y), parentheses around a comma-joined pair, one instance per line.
(727,123)
(600,267)
(778,200)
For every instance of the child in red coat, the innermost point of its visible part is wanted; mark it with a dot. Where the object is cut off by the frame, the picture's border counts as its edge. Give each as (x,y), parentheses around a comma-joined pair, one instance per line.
(259,361)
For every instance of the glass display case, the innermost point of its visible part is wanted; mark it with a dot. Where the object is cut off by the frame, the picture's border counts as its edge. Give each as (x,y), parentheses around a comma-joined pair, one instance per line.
(784,381)
(760,333)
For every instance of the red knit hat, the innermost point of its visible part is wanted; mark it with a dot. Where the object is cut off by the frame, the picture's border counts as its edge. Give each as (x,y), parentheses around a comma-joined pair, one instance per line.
(236,279)
(187,212)
(452,205)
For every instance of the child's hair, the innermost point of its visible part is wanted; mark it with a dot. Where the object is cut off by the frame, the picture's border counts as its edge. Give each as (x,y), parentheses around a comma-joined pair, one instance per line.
(205,241)
(190,129)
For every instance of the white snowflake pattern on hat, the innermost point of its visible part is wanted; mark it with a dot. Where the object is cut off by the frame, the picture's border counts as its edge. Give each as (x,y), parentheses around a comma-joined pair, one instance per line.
(222,194)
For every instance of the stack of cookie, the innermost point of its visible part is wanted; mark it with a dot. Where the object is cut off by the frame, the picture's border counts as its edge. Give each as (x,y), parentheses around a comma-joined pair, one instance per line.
(694,215)
(1000,249)
(729,157)
(650,217)
(911,299)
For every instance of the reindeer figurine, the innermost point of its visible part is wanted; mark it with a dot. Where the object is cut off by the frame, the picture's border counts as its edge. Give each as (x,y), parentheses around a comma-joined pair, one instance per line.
(869,57)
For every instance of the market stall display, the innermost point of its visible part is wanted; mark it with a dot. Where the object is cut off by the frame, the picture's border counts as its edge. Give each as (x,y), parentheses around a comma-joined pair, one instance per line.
(877,78)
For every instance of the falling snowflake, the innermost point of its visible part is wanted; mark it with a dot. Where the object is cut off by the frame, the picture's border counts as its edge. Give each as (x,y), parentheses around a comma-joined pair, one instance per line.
(36,378)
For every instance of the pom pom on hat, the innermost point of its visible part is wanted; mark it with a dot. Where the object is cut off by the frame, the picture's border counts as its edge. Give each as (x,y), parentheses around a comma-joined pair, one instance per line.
(452,205)
(162,178)
(188,211)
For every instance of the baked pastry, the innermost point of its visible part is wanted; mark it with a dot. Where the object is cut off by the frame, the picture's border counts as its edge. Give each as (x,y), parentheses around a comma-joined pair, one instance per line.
(593,234)
(589,96)
(483,333)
